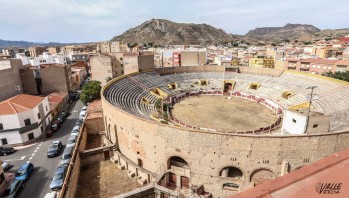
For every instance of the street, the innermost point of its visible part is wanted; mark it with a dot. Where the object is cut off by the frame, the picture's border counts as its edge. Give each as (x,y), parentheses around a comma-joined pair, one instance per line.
(39,182)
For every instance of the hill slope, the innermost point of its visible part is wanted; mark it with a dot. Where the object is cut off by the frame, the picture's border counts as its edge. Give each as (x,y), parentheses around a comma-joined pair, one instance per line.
(165,32)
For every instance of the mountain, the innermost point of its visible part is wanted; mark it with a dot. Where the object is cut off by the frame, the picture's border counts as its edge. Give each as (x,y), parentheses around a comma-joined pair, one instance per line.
(165,32)
(292,32)
(26,44)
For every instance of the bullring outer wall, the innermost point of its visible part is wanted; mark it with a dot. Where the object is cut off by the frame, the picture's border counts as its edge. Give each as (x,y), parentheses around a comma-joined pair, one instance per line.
(207,153)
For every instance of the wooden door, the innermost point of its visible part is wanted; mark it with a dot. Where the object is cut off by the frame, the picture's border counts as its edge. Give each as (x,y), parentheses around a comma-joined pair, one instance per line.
(184,182)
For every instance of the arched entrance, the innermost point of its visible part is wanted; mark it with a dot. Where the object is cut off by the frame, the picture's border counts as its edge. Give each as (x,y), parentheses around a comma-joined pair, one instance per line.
(261,175)
(177,162)
(232,172)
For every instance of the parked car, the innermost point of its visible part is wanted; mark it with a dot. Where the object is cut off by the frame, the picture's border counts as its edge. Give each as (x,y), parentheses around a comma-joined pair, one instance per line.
(82,115)
(56,124)
(67,154)
(54,149)
(71,141)
(51,195)
(63,113)
(75,130)
(5,166)
(58,178)
(24,171)
(78,122)
(4,150)
(13,189)
(61,119)
(84,108)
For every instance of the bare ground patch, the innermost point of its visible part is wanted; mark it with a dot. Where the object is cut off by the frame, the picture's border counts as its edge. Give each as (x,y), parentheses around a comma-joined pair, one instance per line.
(217,112)
(103,179)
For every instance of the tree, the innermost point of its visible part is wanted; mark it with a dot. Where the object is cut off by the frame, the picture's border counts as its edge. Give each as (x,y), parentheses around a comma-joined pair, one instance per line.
(90,92)
(338,75)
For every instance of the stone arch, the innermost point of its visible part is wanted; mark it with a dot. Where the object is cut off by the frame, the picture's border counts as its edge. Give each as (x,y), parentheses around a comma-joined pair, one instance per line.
(177,161)
(232,172)
(260,175)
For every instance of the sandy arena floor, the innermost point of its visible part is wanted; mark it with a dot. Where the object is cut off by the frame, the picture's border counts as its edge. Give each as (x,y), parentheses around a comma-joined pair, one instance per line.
(217,112)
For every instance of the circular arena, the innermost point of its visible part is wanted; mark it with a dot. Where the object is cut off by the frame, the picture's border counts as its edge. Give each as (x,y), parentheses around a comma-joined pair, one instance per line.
(217,129)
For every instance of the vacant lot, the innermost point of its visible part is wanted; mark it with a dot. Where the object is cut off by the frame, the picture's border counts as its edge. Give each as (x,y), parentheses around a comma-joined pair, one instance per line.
(217,112)
(103,179)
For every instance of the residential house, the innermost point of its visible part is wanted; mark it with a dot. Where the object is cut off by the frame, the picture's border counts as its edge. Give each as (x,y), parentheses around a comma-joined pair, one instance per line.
(23,119)
(58,102)
(36,51)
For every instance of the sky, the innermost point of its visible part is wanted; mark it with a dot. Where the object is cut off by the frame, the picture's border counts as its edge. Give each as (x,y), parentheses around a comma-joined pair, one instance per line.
(99,20)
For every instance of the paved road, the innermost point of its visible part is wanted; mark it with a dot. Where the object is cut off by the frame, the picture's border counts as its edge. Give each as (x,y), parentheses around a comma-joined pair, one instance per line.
(39,182)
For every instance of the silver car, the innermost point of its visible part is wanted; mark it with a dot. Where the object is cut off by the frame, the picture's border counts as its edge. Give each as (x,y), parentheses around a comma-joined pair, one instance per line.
(71,141)
(58,178)
(67,154)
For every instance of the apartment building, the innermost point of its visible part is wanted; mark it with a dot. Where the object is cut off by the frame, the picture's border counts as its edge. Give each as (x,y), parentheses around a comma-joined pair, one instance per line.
(261,62)
(36,51)
(10,81)
(23,119)
(314,66)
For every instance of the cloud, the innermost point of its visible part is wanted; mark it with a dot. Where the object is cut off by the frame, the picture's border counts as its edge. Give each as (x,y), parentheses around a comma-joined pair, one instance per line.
(96,20)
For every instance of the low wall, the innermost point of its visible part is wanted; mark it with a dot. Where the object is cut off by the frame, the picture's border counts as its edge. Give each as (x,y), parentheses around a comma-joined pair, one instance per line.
(74,177)
(189,69)
(261,71)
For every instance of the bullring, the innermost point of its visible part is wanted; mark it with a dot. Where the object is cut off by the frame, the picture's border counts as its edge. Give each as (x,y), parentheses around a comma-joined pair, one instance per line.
(222,163)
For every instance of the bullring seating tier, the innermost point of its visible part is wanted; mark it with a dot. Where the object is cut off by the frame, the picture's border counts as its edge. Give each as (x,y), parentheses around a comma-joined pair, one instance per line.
(127,93)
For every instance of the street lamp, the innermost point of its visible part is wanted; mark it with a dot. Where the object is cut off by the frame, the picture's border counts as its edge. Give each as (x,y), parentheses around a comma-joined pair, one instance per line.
(310,102)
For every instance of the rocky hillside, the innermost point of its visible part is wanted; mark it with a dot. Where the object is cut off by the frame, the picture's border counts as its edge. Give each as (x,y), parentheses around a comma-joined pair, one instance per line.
(292,32)
(165,32)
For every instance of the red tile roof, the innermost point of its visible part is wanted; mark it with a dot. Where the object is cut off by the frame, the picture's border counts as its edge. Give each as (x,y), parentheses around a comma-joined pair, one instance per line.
(55,98)
(306,181)
(19,103)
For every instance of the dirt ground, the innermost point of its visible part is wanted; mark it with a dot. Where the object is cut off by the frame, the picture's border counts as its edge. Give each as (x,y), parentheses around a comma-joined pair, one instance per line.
(217,112)
(102,180)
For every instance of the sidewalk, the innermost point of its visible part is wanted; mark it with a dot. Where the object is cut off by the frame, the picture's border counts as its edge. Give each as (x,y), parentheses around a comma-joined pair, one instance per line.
(29,145)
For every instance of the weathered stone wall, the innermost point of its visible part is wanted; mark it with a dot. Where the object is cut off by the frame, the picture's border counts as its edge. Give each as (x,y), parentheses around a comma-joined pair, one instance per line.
(208,153)
(74,178)
(94,125)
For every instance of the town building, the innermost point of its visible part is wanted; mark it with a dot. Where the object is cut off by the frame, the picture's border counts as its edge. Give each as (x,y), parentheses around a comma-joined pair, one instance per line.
(23,119)
(54,50)
(314,66)
(10,81)
(58,102)
(36,51)
(46,79)
(261,62)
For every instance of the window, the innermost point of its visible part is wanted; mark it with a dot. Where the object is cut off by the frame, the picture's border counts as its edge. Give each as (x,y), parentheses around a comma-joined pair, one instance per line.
(27,122)
(294,120)
(46,108)
(39,117)
(315,126)
(1,126)
(4,141)
(30,136)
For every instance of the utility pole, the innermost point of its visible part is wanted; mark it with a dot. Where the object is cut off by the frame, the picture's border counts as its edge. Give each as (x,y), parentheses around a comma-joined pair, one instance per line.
(310,102)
